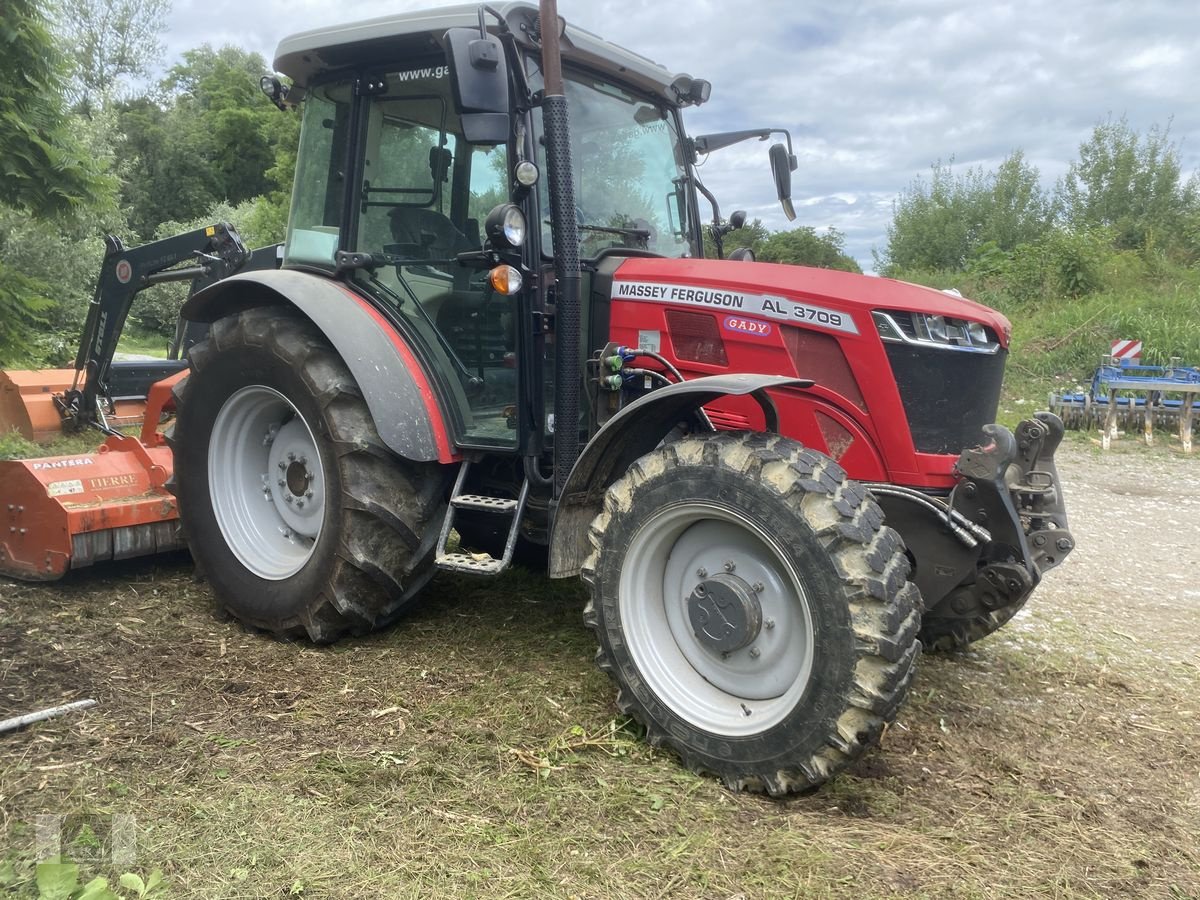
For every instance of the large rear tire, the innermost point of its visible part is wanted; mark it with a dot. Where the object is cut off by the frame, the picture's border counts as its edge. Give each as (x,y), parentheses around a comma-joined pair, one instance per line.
(752,608)
(302,520)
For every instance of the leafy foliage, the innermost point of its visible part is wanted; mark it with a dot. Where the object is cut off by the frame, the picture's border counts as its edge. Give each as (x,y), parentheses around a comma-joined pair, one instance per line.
(941,223)
(23,305)
(1130,183)
(804,247)
(44,168)
(212,137)
(110,40)
(57,880)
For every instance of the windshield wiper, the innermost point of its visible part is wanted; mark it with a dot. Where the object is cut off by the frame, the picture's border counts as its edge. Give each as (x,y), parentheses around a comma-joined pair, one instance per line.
(641,235)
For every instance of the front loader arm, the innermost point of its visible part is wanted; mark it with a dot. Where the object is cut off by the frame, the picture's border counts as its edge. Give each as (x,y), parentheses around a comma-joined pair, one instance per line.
(217,252)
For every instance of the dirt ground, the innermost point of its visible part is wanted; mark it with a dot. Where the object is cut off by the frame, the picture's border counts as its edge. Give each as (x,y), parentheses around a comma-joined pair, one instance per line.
(473,749)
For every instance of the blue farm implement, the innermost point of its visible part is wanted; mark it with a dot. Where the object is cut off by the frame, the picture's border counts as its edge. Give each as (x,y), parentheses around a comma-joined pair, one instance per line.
(1127,395)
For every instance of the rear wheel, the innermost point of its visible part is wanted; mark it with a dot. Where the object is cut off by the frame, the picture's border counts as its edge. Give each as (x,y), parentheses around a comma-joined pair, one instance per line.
(752,608)
(300,517)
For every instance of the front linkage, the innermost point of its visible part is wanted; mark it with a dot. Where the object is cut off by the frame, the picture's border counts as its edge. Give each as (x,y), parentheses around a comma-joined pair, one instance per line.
(1010,487)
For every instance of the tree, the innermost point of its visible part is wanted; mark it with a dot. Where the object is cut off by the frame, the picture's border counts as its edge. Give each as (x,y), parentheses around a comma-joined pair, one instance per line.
(939,224)
(804,247)
(46,172)
(45,169)
(210,137)
(111,40)
(1129,182)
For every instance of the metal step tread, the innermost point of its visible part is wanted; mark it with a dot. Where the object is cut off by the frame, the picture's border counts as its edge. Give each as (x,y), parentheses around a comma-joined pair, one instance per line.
(486,504)
(470,563)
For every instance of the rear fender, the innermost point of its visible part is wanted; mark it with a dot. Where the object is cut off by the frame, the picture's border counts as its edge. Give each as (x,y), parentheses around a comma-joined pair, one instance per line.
(632,433)
(397,391)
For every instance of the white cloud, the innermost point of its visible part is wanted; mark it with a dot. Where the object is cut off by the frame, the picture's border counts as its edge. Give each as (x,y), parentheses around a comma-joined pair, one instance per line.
(873,91)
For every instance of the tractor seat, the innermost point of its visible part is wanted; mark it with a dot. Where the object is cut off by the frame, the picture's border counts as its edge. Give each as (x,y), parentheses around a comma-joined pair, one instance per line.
(430,234)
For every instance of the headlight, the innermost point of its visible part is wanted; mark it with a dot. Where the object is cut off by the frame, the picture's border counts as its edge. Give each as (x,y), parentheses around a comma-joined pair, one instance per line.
(928,330)
(505,226)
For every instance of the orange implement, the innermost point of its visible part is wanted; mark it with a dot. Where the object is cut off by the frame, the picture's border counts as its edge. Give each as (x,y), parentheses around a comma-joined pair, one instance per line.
(64,512)
(27,404)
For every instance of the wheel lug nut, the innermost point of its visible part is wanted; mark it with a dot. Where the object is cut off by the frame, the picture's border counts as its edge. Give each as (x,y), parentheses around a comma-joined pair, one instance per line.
(757,587)
(755,653)
(291,457)
(281,482)
(288,498)
(308,494)
(770,623)
(299,504)
(729,566)
(702,572)
(282,465)
(303,460)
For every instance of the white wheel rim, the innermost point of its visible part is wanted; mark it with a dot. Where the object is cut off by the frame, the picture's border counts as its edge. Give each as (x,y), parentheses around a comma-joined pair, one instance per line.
(737,693)
(266,482)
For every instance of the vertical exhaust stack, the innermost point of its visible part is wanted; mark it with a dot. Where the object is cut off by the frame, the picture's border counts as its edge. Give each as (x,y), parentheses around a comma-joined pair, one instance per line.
(556,128)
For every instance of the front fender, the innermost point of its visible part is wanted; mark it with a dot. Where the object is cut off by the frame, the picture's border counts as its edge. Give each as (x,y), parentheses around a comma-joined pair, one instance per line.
(397,391)
(630,434)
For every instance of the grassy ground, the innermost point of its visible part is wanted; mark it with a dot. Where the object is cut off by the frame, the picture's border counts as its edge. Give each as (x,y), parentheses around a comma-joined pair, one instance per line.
(472,750)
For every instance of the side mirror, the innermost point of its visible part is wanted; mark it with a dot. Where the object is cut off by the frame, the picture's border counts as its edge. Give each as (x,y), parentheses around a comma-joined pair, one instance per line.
(782,166)
(737,219)
(743,254)
(479,79)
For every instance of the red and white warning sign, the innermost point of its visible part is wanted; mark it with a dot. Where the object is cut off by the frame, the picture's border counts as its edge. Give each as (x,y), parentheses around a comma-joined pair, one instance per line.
(1127,351)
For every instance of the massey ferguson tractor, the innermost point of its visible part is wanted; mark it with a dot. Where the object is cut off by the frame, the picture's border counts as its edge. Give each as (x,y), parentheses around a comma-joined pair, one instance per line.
(493,334)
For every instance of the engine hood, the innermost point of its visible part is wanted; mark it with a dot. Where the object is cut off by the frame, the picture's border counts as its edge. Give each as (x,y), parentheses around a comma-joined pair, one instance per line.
(817,297)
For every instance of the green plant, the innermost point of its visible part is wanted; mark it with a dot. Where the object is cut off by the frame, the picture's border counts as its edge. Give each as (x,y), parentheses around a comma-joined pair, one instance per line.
(57,880)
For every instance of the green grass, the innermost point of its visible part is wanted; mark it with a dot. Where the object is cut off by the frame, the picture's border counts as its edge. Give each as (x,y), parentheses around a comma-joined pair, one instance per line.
(144,343)
(473,751)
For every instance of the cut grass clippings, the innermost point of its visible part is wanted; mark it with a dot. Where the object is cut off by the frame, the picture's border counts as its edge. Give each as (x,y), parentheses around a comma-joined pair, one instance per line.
(472,750)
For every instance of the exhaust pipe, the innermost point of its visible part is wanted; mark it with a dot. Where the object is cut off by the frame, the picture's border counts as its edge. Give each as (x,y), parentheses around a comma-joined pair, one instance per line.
(556,128)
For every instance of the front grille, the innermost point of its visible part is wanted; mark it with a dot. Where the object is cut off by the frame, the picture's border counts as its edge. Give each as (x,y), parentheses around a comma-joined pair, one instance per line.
(948,395)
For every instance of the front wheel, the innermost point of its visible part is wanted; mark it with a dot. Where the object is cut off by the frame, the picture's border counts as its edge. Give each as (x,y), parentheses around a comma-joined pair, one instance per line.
(300,517)
(752,608)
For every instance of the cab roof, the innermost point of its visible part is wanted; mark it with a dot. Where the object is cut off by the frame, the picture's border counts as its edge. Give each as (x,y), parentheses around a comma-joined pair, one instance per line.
(388,40)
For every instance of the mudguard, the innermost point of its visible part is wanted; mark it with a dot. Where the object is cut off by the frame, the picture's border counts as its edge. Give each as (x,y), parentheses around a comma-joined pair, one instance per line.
(634,432)
(397,391)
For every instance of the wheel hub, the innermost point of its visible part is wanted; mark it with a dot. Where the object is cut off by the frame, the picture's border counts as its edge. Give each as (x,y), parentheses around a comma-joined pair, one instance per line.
(298,478)
(724,613)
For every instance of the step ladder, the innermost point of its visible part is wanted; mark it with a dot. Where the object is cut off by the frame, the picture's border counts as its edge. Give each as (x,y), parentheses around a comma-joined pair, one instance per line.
(479,563)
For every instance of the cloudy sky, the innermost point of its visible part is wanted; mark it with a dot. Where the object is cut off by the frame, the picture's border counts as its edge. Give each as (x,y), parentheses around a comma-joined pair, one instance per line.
(873,91)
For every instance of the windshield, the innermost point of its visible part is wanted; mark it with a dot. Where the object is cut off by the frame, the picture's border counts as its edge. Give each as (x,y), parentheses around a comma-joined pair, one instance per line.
(628,170)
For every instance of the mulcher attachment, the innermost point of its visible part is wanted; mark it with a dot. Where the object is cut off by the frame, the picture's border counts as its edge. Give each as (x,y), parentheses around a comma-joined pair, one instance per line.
(59,513)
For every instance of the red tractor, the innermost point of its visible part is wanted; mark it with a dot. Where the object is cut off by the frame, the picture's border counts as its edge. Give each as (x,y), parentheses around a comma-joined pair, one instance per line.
(493,334)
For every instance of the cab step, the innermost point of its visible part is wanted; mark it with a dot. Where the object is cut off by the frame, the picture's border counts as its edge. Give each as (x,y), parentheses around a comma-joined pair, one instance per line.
(484,504)
(470,563)
(479,563)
